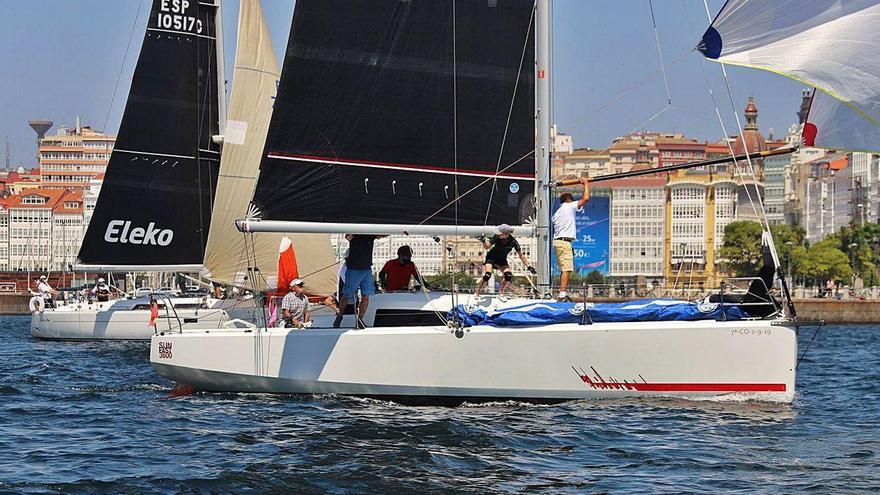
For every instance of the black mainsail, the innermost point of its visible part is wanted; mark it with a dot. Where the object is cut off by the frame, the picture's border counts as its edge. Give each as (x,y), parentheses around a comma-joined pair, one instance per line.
(384,104)
(154,209)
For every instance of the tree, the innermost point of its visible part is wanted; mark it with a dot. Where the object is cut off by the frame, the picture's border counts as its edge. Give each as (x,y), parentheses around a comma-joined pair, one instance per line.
(826,261)
(595,277)
(443,281)
(861,243)
(789,243)
(742,246)
(798,257)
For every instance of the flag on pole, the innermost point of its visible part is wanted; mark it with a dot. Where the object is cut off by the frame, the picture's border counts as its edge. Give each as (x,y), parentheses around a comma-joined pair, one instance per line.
(154,313)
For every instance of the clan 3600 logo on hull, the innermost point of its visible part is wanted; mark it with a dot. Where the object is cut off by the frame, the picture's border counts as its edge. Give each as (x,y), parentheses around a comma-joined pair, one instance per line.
(120,231)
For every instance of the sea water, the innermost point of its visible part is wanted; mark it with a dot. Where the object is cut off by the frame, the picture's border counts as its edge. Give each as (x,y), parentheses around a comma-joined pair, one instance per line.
(95,418)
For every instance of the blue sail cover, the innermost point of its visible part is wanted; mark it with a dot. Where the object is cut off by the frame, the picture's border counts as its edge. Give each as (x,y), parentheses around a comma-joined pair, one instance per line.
(546,313)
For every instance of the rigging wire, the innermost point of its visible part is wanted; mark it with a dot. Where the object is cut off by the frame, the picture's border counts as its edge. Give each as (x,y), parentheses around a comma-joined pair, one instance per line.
(122,68)
(480,184)
(509,115)
(455,156)
(736,167)
(627,91)
(765,225)
(660,52)
(668,104)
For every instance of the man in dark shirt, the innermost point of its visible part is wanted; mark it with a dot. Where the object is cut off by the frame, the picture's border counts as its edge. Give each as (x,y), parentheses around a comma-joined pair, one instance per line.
(358,273)
(499,247)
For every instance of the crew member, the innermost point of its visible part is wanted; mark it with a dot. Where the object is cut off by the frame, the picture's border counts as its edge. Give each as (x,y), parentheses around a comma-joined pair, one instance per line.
(332,301)
(340,287)
(218,290)
(358,274)
(499,247)
(396,273)
(46,291)
(295,305)
(101,291)
(565,232)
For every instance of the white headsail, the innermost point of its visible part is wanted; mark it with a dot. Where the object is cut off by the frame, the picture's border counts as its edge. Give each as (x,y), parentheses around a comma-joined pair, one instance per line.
(830,44)
(229,253)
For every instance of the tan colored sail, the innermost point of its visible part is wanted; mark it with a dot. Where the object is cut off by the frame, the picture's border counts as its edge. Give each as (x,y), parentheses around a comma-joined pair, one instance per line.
(229,252)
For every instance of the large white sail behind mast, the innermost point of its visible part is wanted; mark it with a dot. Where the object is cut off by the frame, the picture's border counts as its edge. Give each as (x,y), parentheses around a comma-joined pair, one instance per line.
(229,253)
(830,44)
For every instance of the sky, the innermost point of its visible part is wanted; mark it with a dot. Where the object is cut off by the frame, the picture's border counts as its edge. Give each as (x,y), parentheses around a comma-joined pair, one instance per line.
(63,58)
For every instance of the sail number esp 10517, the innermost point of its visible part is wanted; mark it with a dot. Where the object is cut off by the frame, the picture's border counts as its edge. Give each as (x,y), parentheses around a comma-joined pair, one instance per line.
(172,15)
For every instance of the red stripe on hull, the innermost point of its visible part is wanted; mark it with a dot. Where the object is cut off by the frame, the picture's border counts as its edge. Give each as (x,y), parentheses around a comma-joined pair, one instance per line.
(709,387)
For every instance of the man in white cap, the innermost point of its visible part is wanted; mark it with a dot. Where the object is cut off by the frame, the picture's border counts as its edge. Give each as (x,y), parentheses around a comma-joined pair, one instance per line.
(46,291)
(498,248)
(565,232)
(101,291)
(295,305)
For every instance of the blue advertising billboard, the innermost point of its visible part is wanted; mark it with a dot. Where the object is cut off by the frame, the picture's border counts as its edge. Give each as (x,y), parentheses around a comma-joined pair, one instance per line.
(591,248)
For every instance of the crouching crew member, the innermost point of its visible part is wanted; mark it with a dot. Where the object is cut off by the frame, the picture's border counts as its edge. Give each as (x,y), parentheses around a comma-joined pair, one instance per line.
(295,305)
(499,247)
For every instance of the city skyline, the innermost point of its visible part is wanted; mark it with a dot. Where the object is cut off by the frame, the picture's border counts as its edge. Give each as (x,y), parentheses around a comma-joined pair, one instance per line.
(600,50)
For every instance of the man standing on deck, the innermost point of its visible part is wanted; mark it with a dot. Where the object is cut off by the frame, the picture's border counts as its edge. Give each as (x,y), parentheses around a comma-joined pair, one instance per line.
(46,291)
(565,232)
(358,274)
(101,291)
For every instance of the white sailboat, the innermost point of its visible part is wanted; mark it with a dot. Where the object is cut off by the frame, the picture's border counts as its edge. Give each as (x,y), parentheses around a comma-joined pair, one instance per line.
(155,205)
(424,347)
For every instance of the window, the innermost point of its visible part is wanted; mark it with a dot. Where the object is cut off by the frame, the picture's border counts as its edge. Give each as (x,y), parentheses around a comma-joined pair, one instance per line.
(33,199)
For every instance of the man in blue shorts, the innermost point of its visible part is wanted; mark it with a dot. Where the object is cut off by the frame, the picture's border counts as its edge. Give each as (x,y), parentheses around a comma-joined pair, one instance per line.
(358,274)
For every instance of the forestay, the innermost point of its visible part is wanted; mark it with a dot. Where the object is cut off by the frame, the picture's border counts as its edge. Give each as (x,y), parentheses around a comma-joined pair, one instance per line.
(229,253)
(384,105)
(833,45)
(154,209)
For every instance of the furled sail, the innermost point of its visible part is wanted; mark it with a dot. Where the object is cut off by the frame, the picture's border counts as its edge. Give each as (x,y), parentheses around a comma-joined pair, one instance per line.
(384,105)
(155,203)
(229,254)
(830,44)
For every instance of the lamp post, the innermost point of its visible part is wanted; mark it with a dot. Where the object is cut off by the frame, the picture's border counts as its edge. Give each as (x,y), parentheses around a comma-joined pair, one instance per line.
(852,262)
(861,208)
(788,269)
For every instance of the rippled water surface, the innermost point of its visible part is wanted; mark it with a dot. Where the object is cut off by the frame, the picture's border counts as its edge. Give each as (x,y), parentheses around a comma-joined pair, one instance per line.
(96,418)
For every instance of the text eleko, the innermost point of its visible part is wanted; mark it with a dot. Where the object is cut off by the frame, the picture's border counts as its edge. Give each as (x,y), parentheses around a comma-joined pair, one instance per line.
(120,231)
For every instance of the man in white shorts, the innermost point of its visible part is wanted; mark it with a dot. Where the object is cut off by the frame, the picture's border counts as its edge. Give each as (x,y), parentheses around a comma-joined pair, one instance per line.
(565,232)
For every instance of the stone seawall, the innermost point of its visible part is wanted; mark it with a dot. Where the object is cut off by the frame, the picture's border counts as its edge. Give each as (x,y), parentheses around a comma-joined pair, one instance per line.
(834,311)
(14,304)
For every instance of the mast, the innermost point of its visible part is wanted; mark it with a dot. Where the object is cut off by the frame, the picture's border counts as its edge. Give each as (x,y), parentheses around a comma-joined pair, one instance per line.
(543,149)
(221,70)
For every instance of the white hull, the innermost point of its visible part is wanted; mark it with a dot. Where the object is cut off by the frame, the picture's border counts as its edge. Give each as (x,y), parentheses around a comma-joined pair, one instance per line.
(746,359)
(122,320)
